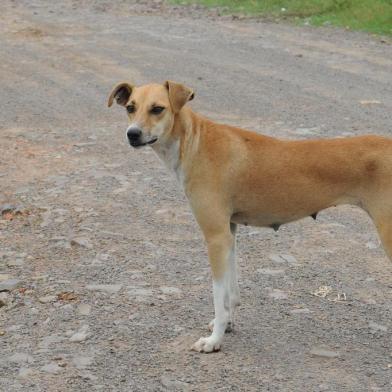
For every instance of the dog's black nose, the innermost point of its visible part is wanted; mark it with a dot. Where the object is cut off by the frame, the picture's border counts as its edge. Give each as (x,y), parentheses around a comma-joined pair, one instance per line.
(134,133)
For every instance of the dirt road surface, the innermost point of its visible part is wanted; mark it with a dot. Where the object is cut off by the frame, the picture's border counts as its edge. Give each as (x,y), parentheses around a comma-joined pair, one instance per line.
(104,277)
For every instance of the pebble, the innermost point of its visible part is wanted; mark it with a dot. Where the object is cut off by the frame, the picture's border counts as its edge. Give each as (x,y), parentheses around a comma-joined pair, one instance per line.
(4,277)
(174,385)
(369,301)
(10,284)
(306,131)
(52,368)
(45,219)
(82,362)
(10,208)
(107,288)
(60,242)
(15,262)
(324,352)
(300,311)
(80,336)
(82,242)
(86,144)
(378,327)
(21,358)
(278,294)
(88,376)
(47,299)
(40,278)
(140,294)
(269,271)
(25,372)
(283,259)
(162,211)
(3,299)
(170,290)
(84,309)
(372,245)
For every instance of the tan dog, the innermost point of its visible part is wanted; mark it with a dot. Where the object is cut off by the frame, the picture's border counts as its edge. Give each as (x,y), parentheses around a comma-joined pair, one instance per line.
(232,176)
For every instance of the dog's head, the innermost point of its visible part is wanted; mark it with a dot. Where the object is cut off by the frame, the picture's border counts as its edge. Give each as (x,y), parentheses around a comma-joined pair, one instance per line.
(151,109)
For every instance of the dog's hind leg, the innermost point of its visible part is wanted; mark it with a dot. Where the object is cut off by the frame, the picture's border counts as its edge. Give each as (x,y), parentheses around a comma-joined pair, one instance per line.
(384,228)
(380,212)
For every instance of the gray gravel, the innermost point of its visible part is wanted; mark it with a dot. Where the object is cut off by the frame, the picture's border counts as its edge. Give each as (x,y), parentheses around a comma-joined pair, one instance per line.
(113,284)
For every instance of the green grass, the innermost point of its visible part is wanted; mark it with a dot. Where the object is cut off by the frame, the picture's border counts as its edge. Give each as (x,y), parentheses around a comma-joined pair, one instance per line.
(374,16)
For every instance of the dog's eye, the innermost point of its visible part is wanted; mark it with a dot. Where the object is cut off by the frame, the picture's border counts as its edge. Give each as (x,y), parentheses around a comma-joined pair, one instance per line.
(131,109)
(157,110)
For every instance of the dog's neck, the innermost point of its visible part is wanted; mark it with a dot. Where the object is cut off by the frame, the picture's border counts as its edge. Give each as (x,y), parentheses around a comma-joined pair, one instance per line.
(181,140)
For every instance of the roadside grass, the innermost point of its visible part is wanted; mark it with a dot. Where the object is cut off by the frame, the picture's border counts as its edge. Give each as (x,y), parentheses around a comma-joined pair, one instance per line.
(374,16)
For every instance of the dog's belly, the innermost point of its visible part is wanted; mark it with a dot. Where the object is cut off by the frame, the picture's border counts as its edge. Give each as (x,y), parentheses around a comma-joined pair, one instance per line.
(265,220)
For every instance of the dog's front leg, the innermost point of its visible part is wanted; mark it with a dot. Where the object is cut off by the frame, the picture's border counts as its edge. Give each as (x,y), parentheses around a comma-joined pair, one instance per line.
(219,252)
(234,291)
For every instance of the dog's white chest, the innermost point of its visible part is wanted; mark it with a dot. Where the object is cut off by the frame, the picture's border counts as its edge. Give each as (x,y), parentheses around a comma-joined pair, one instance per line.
(170,155)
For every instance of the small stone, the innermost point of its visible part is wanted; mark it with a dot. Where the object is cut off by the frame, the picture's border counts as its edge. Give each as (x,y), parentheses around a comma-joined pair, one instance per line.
(10,208)
(323,352)
(88,376)
(3,299)
(170,290)
(15,262)
(269,271)
(25,372)
(369,301)
(82,242)
(80,336)
(140,294)
(82,362)
(52,368)
(289,259)
(86,144)
(306,131)
(372,245)
(370,102)
(47,299)
(162,211)
(4,277)
(10,284)
(300,311)
(278,294)
(107,288)
(60,242)
(280,259)
(21,358)
(378,327)
(84,309)
(40,278)
(174,385)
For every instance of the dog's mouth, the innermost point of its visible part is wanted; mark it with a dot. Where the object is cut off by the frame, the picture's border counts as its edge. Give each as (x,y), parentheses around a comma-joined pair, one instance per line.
(138,144)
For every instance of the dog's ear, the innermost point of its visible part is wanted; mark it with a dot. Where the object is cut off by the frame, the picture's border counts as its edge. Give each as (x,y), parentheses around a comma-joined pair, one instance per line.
(179,95)
(121,94)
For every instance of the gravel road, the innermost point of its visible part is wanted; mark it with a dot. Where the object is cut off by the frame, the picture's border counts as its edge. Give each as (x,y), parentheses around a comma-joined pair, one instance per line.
(104,279)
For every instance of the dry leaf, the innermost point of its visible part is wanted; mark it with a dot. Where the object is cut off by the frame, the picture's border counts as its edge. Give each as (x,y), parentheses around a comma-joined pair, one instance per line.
(67,296)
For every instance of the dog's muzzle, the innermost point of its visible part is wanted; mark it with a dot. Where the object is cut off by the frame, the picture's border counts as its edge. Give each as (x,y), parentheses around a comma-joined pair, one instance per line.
(135,138)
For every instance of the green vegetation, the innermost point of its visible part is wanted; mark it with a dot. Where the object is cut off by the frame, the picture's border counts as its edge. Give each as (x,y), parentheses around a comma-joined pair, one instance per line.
(369,15)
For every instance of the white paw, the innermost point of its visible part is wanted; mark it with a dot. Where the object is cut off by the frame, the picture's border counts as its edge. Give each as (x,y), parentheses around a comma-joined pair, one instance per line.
(206,345)
(229,328)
